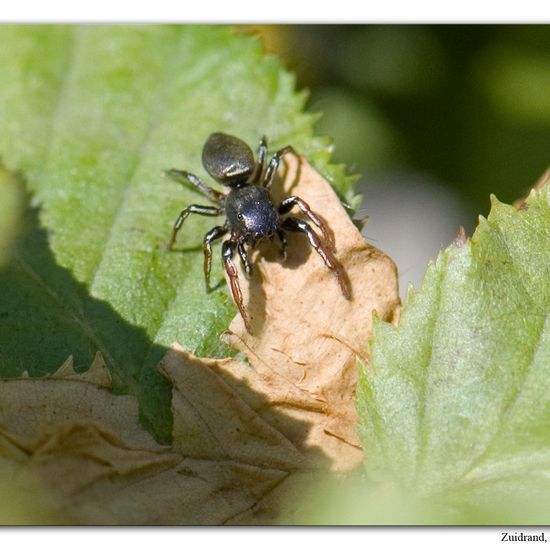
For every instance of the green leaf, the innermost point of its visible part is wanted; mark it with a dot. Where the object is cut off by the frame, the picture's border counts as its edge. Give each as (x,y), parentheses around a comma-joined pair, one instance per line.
(10,211)
(91,115)
(455,405)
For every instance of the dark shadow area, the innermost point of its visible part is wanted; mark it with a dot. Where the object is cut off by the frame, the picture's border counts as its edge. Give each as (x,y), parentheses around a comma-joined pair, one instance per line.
(46,316)
(186,249)
(257,300)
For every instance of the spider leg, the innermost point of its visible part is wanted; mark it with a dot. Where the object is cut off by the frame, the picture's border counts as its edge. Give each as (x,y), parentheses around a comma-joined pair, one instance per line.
(245,260)
(259,170)
(296,225)
(274,164)
(213,234)
(289,202)
(183,176)
(192,209)
(284,242)
(228,250)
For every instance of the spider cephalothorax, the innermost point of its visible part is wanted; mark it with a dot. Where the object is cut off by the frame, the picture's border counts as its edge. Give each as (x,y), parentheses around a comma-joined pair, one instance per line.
(251,214)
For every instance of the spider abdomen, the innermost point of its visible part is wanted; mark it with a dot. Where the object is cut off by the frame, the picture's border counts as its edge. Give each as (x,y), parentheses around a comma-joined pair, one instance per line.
(251,212)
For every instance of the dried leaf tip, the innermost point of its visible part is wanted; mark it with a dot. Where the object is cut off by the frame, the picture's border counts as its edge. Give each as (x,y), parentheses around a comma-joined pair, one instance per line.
(521,204)
(461,237)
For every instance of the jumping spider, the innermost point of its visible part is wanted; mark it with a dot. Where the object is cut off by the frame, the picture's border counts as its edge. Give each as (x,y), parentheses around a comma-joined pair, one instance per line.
(250,212)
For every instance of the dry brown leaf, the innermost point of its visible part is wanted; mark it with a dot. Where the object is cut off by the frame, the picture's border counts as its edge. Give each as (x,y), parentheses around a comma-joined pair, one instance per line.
(246,436)
(306,335)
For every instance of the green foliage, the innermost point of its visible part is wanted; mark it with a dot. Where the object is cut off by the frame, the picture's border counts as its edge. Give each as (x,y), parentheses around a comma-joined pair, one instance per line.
(10,210)
(515,82)
(455,406)
(90,117)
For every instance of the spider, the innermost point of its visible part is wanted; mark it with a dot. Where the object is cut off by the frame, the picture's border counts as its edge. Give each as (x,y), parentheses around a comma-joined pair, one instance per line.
(251,214)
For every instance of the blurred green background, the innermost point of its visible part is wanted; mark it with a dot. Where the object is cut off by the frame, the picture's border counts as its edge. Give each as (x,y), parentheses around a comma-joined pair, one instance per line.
(433,117)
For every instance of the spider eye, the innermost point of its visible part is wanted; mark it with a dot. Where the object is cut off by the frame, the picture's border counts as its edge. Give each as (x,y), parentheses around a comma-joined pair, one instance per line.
(240,216)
